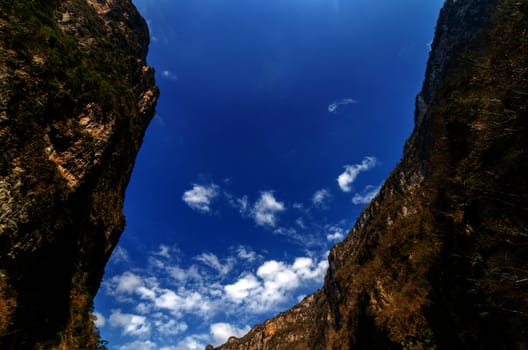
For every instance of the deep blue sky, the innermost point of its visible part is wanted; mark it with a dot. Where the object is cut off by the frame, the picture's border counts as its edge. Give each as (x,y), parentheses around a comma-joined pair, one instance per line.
(278,120)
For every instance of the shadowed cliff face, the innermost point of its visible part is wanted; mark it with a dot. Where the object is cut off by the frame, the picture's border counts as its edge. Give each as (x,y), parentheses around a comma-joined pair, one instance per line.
(438,259)
(75,99)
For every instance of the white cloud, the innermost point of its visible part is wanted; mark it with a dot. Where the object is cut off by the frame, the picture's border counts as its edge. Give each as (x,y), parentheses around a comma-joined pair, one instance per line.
(307,237)
(139,345)
(168,327)
(336,236)
(119,255)
(200,197)
(100,320)
(266,209)
(192,342)
(298,206)
(167,74)
(241,289)
(241,204)
(335,233)
(164,251)
(366,195)
(161,301)
(246,254)
(307,269)
(274,283)
(278,279)
(222,331)
(130,324)
(346,179)
(143,308)
(288,232)
(185,301)
(334,106)
(127,283)
(168,299)
(182,275)
(320,197)
(300,223)
(213,262)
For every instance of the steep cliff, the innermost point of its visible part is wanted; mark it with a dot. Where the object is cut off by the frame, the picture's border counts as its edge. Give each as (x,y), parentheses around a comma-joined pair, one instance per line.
(75,99)
(439,258)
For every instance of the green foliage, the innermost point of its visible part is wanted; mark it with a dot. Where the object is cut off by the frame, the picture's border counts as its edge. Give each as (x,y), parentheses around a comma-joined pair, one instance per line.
(429,337)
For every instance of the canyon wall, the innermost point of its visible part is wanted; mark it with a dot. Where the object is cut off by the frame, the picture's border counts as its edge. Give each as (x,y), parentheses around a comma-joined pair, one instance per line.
(438,260)
(76,97)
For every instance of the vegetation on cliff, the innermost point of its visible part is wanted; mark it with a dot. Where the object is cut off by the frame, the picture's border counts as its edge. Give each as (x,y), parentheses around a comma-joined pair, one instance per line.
(438,259)
(75,100)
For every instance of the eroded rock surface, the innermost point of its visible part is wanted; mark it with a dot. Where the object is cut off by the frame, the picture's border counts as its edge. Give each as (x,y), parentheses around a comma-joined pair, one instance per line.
(76,97)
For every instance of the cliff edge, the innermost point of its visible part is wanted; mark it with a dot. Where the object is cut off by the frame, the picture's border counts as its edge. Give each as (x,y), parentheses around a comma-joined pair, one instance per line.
(438,260)
(75,99)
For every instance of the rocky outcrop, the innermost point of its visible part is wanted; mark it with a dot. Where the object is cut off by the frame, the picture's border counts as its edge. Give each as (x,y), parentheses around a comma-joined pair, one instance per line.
(438,259)
(75,99)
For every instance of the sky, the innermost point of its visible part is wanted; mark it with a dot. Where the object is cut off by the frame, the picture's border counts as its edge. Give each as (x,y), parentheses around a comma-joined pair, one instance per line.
(278,121)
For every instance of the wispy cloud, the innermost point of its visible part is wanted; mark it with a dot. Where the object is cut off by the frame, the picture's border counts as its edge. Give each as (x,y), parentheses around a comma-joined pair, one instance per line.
(211,260)
(164,251)
(157,302)
(334,106)
(241,204)
(366,195)
(346,178)
(130,324)
(100,320)
(247,254)
(119,255)
(191,342)
(200,197)
(167,74)
(139,345)
(320,198)
(266,209)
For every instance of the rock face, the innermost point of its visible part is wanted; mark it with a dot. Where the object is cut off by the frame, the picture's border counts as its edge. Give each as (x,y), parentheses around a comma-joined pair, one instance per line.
(438,260)
(75,99)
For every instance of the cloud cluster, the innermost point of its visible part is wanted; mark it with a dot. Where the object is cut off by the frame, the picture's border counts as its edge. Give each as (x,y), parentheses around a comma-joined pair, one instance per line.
(273,283)
(264,211)
(200,197)
(351,172)
(157,303)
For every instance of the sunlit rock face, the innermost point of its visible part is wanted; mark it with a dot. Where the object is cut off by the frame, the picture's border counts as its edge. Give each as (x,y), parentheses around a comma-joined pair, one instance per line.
(438,258)
(75,99)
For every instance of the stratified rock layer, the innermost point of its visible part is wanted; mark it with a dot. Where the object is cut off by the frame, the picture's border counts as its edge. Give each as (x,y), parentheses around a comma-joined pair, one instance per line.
(75,99)
(439,258)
